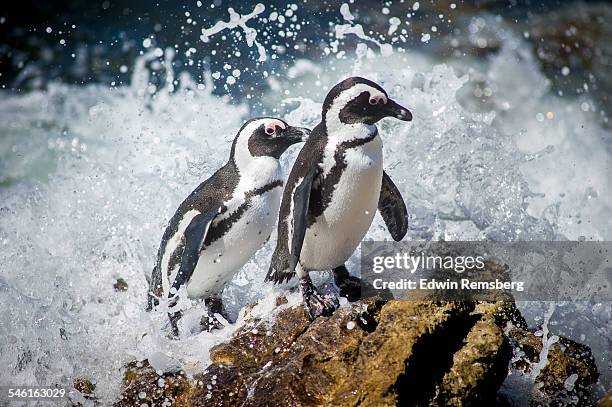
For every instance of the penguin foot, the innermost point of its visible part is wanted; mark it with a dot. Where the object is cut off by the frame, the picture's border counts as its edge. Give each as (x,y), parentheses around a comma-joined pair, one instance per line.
(350,286)
(174,318)
(210,322)
(316,303)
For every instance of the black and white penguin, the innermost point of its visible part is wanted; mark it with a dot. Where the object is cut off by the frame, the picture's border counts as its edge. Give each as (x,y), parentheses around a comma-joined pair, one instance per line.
(225,220)
(334,188)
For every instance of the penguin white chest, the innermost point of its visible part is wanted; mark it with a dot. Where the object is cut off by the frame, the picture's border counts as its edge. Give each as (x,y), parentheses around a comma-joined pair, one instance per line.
(335,235)
(220,260)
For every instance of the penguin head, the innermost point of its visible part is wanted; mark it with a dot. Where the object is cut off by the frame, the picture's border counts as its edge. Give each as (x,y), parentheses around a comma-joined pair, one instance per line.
(359,100)
(268,137)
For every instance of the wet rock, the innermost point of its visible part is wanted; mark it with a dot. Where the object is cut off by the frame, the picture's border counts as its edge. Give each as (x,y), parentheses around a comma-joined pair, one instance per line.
(503,312)
(403,353)
(143,385)
(573,47)
(606,401)
(408,352)
(281,300)
(575,36)
(291,362)
(85,387)
(120,285)
(568,375)
(370,353)
(478,369)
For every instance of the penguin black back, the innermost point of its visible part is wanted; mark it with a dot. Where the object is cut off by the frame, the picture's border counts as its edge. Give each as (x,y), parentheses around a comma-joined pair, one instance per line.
(226,218)
(335,186)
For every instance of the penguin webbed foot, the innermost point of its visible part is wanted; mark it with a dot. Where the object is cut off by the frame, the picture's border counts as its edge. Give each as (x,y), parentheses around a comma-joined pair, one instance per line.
(208,322)
(317,304)
(349,286)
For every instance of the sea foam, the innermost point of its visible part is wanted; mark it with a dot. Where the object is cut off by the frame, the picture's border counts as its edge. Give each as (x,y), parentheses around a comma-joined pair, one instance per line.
(121,159)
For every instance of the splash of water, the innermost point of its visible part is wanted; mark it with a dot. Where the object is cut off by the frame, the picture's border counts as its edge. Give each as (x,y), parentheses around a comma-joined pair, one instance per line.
(125,157)
(236,20)
(547,342)
(342,30)
(123,168)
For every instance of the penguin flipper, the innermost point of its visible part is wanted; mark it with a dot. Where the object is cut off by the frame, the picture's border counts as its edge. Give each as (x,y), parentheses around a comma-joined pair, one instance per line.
(392,207)
(286,256)
(301,200)
(195,233)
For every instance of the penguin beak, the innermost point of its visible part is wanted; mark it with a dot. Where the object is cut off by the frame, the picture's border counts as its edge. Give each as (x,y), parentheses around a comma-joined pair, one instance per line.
(296,134)
(393,109)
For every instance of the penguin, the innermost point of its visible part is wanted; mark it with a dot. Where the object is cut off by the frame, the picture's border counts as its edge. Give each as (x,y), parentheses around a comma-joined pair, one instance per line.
(334,189)
(225,220)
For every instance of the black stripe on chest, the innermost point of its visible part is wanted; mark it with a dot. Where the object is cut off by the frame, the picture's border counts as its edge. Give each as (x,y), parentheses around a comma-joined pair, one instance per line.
(220,228)
(322,192)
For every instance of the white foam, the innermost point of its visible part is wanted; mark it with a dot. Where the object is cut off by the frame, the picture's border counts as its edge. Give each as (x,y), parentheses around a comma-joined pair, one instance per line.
(342,30)
(121,159)
(236,20)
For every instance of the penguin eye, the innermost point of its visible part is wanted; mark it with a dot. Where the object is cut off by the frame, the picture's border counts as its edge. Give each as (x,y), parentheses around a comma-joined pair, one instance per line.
(374,100)
(270,130)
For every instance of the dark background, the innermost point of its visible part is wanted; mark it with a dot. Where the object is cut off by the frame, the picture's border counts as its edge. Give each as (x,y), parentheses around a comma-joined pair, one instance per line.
(109,33)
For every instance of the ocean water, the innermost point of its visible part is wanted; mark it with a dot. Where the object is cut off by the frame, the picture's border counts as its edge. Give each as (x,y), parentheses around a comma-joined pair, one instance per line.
(90,175)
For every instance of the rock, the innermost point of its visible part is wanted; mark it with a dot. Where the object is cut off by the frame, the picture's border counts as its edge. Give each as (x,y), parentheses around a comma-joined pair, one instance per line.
(566,378)
(120,285)
(574,43)
(85,387)
(479,367)
(291,362)
(281,300)
(503,312)
(423,345)
(372,353)
(143,385)
(606,401)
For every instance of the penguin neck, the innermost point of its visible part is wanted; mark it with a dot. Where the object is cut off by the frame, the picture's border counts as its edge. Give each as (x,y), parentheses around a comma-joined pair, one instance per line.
(345,135)
(340,131)
(254,171)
